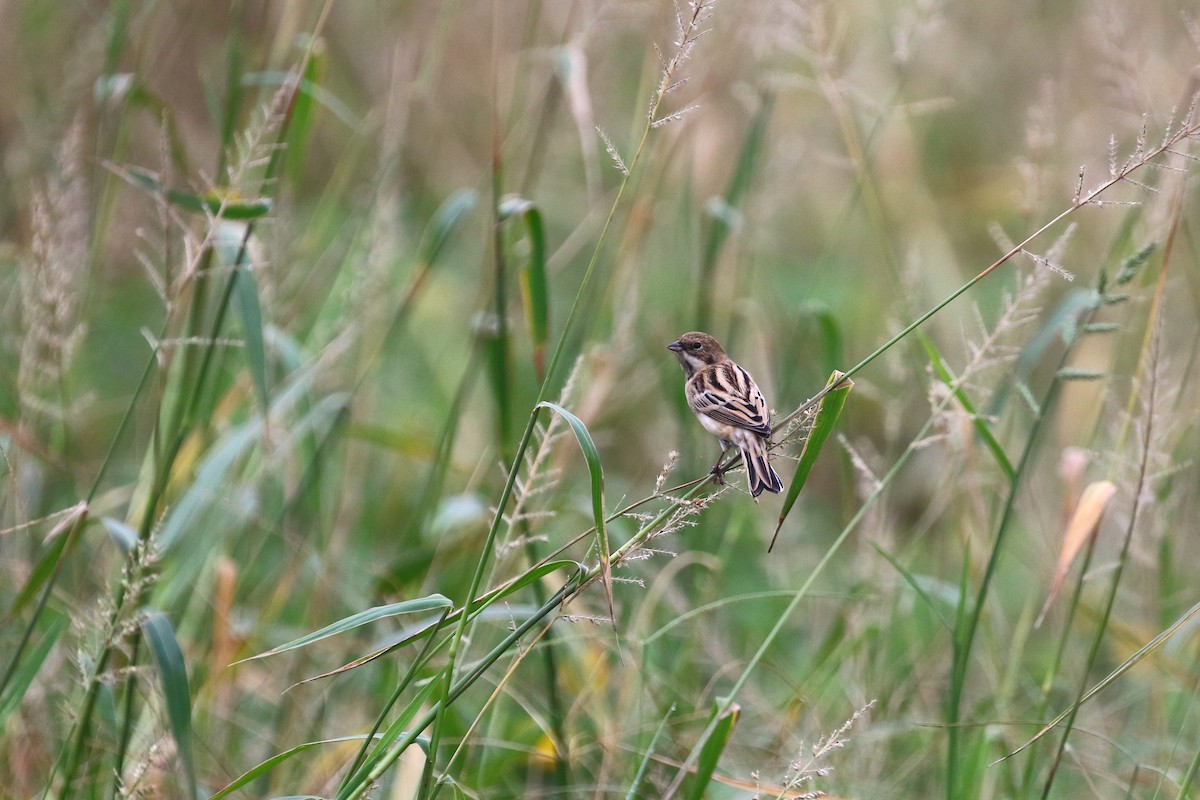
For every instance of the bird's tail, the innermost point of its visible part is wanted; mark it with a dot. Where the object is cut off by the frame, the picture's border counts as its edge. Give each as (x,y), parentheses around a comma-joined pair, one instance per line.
(759,473)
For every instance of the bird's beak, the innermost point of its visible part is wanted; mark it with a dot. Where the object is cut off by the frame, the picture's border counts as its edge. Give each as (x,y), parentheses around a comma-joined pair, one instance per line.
(675,345)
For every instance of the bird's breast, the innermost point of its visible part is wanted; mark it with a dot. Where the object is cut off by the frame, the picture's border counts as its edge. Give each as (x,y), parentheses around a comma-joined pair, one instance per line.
(722,430)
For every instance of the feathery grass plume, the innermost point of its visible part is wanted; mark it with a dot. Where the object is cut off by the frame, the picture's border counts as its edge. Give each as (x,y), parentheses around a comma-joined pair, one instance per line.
(618,162)
(682,515)
(689,28)
(795,431)
(1017,310)
(668,465)
(540,476)
(102,625)
(247,175)
(868,481)
(146,776)
(986,347)
(258,146)
(368,293)
(1142,155)
(1050,260)
(252,173)
(808,767)
(155,251)
(52,281)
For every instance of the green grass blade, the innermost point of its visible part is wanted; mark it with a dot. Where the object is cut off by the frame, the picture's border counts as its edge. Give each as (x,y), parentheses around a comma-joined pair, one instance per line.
(231,248)
(592,456)
(644,764)
(479,607)
(535,293)
(711,750)
(399,727)
(15,690)
(411,674)
(61,535)
(1120,670)
(981,427)
(823,319)
(118,32)
(210,482)
(223,203)
(38,576)
(826,418)
(448,217)
(250,312)
(307,91)
(168,658)
(226,116)
(433,602)
(263,768)
(122,88)
(1189,777)
(301,114)
(494,339)
(915,584)
(123,535)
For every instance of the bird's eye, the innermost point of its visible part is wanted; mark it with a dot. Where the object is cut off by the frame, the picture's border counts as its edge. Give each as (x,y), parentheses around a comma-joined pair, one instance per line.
(697,345)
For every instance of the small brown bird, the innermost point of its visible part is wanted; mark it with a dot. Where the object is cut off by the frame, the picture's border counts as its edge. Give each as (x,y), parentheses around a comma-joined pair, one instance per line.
(729,405)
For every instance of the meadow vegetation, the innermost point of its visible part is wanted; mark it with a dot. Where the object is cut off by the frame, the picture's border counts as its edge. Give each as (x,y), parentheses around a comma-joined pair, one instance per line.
(343,455)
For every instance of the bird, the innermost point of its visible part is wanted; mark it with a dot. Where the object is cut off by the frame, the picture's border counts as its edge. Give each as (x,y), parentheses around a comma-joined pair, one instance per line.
(729,405)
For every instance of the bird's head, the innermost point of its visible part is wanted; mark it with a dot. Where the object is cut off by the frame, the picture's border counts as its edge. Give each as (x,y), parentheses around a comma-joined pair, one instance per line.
(696,351)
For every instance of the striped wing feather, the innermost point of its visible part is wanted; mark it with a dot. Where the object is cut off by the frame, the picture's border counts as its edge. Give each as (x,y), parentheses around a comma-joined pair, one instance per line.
(727,393)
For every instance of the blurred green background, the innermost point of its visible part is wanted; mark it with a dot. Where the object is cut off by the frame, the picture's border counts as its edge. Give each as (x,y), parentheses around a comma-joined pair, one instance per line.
(836,169)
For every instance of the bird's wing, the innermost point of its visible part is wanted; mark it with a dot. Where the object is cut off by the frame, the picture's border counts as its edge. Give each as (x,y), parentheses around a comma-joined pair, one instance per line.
(727,393)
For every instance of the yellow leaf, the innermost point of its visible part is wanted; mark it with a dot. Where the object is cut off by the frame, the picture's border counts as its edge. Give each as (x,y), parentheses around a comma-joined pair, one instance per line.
(1083,526)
